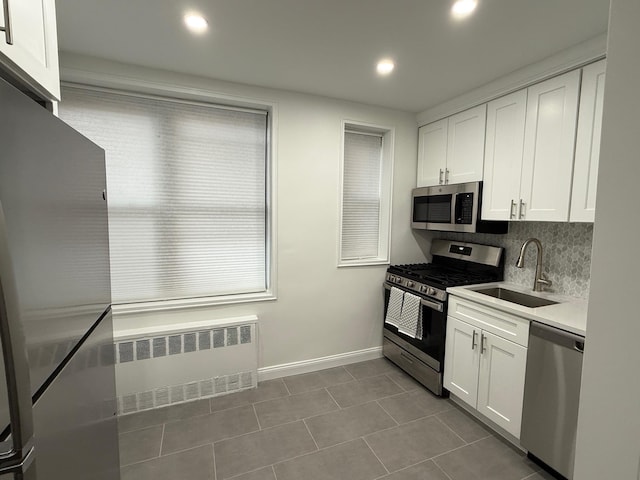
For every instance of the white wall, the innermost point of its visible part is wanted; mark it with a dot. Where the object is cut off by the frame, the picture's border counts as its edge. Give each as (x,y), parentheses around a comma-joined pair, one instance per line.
(608,445)
(320,310)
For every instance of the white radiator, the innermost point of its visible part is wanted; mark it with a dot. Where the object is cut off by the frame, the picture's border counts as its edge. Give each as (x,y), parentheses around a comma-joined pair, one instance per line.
(179,363)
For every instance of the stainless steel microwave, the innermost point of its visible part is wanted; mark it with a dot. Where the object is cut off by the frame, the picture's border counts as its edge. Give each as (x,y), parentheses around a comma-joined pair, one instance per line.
(452,208)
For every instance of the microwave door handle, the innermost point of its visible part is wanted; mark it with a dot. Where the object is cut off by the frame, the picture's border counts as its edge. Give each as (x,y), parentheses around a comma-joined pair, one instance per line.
(457,208)
(15,363)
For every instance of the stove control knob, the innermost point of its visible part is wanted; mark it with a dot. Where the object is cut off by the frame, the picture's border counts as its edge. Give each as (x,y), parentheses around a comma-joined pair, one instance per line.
(431,291)
(410,284)
(423,289)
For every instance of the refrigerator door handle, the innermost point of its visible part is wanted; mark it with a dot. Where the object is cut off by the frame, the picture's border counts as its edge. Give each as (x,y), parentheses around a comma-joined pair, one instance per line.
(15,360)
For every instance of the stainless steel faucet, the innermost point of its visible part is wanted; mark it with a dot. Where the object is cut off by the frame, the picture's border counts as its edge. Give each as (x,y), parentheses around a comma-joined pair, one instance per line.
(540,280)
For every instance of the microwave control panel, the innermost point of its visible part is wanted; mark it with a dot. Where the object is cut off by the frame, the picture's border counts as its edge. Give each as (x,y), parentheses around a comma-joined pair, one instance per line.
(464,208)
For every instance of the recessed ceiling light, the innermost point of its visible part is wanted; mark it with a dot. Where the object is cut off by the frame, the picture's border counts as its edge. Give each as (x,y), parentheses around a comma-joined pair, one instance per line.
(385,67)
(463,8)
(196,22)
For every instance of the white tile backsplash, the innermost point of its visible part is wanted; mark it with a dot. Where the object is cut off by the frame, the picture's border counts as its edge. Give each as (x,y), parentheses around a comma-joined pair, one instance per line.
(566,253)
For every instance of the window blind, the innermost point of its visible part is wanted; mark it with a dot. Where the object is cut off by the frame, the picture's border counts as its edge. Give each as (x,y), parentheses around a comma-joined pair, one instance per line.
(361,196)
(187,193)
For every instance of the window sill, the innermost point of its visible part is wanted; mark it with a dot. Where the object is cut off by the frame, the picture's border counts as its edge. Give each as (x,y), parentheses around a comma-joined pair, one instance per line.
(363,263)
(164,305)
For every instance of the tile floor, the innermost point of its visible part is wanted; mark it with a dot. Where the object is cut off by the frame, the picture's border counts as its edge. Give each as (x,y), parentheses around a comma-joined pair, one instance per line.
(364,421)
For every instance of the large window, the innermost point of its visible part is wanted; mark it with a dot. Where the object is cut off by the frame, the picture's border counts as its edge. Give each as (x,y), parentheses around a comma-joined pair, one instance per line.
(187,190)
(366,195)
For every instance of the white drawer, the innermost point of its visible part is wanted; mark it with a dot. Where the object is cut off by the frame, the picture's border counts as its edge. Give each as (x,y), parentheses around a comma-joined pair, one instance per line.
(505,325)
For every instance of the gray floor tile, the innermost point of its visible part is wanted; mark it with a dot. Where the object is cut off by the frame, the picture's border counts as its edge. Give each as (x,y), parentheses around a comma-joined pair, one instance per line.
(407,382)
(262,474)
(294,407)
(352,460)
(158,416)
(140,445)
(412,443)
(210,428)
(348,424)
(371,368)
(365,390)
(423,471)
(488,459)
(413,405)
(194,464)
(266,447)
(265,391)
(312,381)
(464,425)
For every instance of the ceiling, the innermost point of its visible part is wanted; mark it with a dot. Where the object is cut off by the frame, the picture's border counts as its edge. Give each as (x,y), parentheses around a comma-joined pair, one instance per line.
(331,47)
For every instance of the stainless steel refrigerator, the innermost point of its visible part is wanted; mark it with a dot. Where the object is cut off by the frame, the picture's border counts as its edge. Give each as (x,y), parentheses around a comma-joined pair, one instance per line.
(57,382)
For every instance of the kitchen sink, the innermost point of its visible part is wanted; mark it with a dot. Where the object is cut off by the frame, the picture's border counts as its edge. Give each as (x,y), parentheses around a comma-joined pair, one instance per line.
(516,297)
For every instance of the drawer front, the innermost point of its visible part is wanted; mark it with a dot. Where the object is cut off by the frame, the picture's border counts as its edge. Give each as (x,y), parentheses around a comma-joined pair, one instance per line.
(426,375)
(510,327)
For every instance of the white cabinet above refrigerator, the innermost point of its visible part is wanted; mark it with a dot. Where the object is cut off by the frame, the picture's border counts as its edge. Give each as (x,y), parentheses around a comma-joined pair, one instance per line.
(29,45)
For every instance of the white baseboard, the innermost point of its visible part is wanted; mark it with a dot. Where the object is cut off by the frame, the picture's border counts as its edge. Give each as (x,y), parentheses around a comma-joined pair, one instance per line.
(306,366)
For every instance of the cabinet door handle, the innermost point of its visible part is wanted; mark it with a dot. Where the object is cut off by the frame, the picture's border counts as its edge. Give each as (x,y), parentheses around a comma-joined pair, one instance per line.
(473,341)
(521,209)
(7,23)
(512,213)
(483,347)
(440,177)
(446,176)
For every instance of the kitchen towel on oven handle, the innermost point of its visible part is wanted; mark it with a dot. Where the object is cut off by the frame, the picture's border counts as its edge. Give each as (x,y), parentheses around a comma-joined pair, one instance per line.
(394,310)
(411,316)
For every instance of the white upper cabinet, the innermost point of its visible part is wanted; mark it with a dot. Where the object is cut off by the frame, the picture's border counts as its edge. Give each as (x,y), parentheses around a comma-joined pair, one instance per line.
(465,145)
(503,156)
(585,172)
(432,153)
(549,139)
(29,45)
(529,152)
(452,150)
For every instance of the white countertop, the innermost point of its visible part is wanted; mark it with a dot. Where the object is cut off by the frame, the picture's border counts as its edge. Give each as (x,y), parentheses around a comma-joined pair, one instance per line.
(568,314)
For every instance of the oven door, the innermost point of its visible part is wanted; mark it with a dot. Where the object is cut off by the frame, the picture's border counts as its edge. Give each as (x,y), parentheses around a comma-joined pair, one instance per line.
(430,349)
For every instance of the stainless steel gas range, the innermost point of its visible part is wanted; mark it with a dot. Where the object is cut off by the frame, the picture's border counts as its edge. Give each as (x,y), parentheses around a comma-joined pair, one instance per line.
(415,305)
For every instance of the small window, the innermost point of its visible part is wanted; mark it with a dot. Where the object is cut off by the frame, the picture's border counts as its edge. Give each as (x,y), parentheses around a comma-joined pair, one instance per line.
(367,165)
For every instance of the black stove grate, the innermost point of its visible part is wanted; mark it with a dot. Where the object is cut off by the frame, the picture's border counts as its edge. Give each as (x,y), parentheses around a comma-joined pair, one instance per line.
(441,275)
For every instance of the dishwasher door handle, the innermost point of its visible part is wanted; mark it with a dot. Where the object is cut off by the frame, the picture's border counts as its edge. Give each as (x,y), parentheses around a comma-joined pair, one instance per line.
(557,336)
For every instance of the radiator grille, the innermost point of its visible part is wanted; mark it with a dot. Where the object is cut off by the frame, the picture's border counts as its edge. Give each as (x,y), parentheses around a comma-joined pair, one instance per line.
(175,344)
(227,364)
(183,393)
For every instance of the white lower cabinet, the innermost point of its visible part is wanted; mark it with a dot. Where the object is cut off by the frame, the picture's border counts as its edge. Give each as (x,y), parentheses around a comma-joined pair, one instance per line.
(501,382)
(484,369)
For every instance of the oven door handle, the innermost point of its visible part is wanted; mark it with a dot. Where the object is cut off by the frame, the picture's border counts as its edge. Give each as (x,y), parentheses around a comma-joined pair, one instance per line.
(427,303)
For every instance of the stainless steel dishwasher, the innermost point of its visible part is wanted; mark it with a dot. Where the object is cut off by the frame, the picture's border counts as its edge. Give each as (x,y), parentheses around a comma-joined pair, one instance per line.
(551,394)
